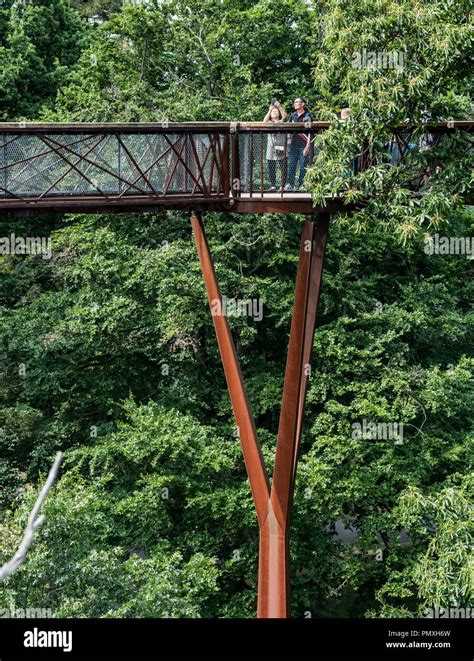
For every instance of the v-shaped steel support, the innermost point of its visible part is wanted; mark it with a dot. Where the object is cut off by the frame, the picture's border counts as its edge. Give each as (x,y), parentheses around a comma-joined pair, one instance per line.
(273,505)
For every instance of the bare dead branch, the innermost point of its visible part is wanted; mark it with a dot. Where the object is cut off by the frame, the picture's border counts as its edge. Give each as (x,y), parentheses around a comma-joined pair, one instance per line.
(34,522)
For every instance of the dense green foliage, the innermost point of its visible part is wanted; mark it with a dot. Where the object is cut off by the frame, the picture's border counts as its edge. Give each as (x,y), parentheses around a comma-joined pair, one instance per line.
(108,350)
(185,61)
(425,75)
(39,42)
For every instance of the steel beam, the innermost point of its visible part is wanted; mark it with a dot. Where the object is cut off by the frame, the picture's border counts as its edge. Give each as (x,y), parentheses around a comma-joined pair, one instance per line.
(274,562)
(273,506)
(253,458)
(317,265)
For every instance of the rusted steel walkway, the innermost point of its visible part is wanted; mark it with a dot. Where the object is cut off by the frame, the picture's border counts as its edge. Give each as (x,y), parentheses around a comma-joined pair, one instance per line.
(152,167)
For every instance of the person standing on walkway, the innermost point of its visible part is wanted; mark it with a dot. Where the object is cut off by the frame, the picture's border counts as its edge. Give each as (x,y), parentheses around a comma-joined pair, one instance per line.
(276,143)
(298,155)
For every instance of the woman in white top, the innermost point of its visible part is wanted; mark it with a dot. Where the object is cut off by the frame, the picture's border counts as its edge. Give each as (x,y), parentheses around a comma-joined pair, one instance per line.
(276,143)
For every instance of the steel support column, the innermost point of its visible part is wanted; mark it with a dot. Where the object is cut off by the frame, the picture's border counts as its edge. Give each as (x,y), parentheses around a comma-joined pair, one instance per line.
(273,506)
(253,458)
(274,562)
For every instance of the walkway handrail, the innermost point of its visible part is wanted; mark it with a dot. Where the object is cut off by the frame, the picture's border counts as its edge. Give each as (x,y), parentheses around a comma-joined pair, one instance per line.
(193,127)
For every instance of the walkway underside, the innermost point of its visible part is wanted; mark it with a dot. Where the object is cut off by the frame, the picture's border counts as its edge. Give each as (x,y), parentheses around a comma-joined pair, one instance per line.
(263,203)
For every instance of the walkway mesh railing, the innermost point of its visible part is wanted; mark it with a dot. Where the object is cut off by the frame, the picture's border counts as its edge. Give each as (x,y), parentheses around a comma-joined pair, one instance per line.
(118,163)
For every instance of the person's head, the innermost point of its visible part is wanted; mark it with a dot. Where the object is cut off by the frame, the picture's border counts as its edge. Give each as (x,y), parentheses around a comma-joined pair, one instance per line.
(345,112)
(275,114)
(299,104)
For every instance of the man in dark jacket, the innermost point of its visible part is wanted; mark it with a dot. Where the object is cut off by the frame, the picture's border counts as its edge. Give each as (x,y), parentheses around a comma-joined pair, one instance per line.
(298,154)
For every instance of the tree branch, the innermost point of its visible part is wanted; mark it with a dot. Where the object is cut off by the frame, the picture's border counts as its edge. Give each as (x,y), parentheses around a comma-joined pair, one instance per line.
(200,40)
(33,523)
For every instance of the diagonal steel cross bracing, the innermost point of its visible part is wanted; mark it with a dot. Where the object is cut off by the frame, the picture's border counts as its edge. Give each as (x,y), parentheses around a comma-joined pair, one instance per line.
(273,504)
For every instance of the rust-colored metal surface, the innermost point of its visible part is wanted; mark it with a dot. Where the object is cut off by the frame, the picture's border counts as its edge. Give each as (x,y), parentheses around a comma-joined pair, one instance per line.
(210,165)
(314,290)
(273,505)
(253,458)
(274,585)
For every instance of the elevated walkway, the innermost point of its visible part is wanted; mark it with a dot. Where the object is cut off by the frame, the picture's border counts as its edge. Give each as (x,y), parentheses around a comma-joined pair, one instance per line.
(81,167)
